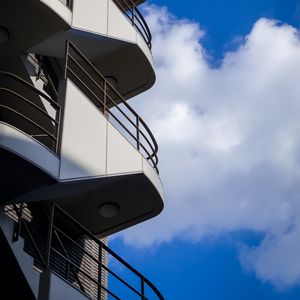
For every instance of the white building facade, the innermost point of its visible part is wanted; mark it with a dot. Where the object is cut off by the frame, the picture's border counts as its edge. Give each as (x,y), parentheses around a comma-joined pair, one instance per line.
(78,163)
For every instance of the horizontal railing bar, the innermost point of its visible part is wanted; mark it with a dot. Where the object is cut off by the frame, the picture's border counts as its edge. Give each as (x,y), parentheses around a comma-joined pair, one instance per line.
(65,253)
(76,244)
(96,260)
(123,281)
(127,130)
(30,103)
(88,233)
(133,124)
(148,136)
(134,14)
(74,48)
(108,250)
(85,72)
(85,274)
(30,121)
(24,82)
(29,234)
(94,95)
(117,107)
(122,112)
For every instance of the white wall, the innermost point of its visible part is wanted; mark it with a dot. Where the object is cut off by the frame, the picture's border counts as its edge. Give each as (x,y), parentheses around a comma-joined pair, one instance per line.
(59,289)
(90,15)
(103,17)
(20,143)
(59,8)
(93,147)
(83,148)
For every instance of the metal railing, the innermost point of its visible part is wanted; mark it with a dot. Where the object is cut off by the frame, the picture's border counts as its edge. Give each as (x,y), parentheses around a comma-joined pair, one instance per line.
(68,3)
(58,241)
(17,103)
(129,8)
(98,89)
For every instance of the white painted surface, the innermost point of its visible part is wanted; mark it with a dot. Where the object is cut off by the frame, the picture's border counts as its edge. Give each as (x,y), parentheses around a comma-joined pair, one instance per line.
(90,15)
(143,45)
(28,148)
(61,290)
(152,176)
(119,25)
(122,157)
(83,148)
(62,10)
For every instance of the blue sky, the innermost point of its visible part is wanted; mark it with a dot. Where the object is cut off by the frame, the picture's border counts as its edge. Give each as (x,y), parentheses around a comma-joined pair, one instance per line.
(227,103)
(226,20)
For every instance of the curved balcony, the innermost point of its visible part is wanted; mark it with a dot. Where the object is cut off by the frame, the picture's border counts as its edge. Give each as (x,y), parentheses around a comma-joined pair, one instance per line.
(106,98)
(67,3)
(130,9)
(115,36)
(98,151)
(29,110)
(59,244)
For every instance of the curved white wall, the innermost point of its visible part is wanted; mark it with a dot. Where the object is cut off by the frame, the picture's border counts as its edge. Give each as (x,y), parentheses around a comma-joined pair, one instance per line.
(61,9)
(92,147)
(103,17)
(23,145)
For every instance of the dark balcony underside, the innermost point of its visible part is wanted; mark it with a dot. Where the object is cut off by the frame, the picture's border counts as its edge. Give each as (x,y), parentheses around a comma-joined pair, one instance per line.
(134,194)
(18,176)
(13,282)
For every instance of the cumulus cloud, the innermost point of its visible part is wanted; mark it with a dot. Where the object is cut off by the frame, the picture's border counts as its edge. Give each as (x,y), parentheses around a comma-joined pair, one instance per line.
(229,141)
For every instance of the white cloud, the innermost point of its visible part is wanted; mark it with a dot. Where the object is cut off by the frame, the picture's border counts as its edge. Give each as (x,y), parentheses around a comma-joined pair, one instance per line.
(229,142)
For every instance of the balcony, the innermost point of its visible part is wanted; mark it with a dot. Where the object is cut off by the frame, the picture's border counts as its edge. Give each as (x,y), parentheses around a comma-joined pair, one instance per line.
(87,148)
(131,11)
(66,256)
(115,36)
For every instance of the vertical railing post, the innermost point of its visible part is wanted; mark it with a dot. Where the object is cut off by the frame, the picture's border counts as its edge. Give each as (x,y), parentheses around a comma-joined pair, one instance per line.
(49,238)
(100,272)
(17,232)
(66,59)
(105,97)
(132,13)
(138,132)
(58,128)
(143,288)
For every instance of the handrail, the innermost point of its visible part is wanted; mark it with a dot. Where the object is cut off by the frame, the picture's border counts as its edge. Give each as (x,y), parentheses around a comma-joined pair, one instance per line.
(50,254)
(39,125)
(65,253)
(19,213)
(67,3)
(102,246)
(141,134)
(129,8)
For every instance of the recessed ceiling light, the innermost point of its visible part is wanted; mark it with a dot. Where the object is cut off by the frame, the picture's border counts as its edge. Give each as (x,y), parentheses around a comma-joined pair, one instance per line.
(109,210)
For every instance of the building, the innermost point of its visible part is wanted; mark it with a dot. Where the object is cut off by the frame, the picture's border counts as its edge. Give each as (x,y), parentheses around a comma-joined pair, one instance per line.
(78,163)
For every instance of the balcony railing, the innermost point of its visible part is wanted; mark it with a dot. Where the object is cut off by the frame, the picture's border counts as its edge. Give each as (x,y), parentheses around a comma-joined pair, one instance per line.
(131,11)
(28,109)
(68,3)
(98,89)
(58,250)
